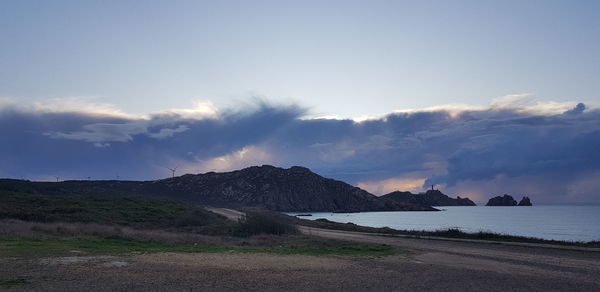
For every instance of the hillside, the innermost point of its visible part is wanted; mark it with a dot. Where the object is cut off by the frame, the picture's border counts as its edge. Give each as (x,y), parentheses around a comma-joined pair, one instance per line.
(430,198)
(134,212)
(296,189)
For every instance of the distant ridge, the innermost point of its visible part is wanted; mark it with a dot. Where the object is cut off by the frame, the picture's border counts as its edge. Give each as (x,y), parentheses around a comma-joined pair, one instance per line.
(296,189)
(429,198)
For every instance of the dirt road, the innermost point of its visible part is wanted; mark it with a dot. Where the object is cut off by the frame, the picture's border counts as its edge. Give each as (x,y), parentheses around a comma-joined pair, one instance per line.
(576,265)
(228,213)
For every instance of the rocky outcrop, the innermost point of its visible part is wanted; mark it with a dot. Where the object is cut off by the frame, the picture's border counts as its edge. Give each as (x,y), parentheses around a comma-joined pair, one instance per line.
(504,200)
(525,202)
(296,189)
(429,198)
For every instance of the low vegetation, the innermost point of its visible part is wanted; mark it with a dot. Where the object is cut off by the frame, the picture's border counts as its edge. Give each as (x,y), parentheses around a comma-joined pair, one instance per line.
(448,233)
(143,213)
(37,225)
(136,213)
(8,283)
(28,247)
(481,235)
(263,222)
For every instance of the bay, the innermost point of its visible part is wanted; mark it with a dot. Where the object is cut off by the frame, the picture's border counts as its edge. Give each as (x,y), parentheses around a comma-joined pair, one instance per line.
(565,222)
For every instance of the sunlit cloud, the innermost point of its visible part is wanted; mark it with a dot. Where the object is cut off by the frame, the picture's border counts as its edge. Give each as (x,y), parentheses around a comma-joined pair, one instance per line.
(454,110)
(5,101)
(389,185)
(81,105)
(245,157)
(528,103)
(200,110)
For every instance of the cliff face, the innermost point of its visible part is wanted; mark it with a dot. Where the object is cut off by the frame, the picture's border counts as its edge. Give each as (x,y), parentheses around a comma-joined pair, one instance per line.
(294,189)
(504,200)
(430,198)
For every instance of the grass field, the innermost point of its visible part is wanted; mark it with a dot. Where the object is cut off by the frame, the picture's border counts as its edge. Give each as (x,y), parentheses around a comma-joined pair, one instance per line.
(51,225)
(35,247)
(8,283)
(147,213)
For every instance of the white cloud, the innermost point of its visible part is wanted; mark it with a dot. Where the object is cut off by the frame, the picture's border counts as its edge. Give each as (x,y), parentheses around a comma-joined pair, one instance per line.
(103,132)
(82,105)
(5,101)
(97,133)
(247,156)
(512,101)
(167,133)
(199,111)
(527,103)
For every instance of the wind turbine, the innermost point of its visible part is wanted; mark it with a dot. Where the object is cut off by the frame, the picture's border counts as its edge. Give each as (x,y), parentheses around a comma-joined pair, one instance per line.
(173,169)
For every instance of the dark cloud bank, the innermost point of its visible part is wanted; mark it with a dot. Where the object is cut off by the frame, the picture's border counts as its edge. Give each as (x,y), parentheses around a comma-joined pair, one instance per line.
(552,157)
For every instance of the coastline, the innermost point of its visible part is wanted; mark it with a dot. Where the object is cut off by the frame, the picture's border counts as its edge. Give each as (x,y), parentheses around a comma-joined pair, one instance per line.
(565,223)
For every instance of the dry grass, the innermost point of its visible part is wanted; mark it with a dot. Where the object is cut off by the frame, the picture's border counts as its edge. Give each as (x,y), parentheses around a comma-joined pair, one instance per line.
(20,228)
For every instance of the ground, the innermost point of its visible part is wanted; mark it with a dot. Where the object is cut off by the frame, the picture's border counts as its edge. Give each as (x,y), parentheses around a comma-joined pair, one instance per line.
(427,265)
(448,271)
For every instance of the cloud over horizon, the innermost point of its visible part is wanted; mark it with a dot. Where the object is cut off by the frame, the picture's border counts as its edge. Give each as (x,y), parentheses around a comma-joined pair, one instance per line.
(516,145)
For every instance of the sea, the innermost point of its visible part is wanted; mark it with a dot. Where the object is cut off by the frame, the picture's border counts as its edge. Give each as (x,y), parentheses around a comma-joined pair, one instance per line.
(559,222)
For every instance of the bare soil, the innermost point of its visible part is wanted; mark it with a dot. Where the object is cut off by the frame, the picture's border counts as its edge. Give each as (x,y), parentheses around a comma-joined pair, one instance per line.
(265,272)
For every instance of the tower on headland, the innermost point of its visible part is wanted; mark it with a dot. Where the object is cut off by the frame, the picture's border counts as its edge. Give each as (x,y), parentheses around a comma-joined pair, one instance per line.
(432,187)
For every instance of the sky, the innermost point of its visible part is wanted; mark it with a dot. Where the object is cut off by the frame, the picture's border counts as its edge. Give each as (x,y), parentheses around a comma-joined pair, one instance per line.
(480,98)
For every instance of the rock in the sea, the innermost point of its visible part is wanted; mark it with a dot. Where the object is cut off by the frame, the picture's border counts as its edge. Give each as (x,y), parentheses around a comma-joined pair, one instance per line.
(525,202)
(504,200)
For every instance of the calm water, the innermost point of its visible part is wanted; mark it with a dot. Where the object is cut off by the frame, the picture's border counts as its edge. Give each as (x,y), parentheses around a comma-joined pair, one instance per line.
(574,223)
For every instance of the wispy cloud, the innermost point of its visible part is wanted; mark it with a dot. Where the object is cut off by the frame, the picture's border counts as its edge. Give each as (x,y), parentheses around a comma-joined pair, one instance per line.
(80,105)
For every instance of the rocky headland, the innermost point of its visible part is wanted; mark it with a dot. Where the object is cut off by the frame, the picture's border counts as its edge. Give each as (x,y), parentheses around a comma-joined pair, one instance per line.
(429,198)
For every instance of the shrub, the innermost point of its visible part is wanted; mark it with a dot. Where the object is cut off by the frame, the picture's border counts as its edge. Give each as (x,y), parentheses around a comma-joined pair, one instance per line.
(254,223)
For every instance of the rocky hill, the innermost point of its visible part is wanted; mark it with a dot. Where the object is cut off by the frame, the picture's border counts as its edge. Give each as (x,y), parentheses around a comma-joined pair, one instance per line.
(429,198)
(296,189)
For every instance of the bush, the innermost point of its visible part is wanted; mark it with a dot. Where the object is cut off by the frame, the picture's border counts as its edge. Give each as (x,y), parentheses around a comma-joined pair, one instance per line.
(254,223)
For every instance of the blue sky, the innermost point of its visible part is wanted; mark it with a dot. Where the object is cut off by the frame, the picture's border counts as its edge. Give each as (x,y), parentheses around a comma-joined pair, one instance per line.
(478,97)
(344,58)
